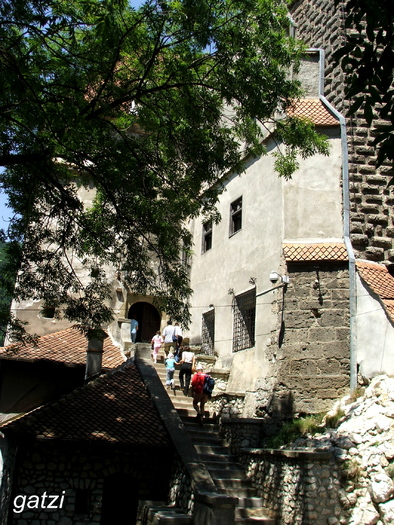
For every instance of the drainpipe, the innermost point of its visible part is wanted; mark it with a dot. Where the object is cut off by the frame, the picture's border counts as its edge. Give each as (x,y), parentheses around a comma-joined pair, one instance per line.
(346,225)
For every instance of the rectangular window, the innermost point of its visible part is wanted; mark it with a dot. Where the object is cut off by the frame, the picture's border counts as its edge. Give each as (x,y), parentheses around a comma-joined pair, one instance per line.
(244,309)
(235,216)
(208,332)
(206,236)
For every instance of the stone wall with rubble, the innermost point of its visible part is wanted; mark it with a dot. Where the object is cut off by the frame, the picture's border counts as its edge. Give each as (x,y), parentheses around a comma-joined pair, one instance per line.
(300,487)
(181,493)
(320,24)
(337,476)
(310,352)
(67,469)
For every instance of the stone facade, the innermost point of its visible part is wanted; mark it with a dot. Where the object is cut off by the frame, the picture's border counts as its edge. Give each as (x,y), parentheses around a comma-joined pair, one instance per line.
(89,477)
(301,488)
(314,354)
(341,475)
(310,351)
(320,24)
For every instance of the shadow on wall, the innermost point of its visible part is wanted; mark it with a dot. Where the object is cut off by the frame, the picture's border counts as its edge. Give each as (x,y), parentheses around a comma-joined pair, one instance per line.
(279,408)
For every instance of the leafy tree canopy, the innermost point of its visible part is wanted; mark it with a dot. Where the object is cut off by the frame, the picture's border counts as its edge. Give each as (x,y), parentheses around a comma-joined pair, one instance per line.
(134,103)
(368,60)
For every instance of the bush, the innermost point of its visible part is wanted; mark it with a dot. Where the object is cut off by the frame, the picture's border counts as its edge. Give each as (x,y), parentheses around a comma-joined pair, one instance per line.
(296,428)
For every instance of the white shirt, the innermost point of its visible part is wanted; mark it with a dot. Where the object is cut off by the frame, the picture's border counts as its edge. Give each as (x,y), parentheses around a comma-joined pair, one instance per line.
(168,333)
(187,357)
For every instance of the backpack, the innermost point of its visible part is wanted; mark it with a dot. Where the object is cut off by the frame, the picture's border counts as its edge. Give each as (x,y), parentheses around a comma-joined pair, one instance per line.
(209,385)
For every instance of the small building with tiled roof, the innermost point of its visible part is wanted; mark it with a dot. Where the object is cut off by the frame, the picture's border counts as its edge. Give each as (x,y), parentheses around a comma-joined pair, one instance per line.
(37,372)
(103,447)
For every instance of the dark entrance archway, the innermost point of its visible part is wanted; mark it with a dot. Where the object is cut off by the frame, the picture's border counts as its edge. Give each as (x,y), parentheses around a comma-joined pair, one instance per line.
(120,500)
(148,320)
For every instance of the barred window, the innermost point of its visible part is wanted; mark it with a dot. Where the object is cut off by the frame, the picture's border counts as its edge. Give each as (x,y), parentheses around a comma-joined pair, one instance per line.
(244,308)
(208,332)
(206,236)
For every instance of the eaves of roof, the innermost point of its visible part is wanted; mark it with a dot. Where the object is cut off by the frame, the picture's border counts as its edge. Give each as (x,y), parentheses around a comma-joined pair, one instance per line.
(115,408)
(66,346)
(380,281)
(314,251)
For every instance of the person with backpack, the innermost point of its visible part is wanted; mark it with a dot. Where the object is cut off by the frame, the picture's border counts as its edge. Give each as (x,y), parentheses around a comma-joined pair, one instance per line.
(200,392)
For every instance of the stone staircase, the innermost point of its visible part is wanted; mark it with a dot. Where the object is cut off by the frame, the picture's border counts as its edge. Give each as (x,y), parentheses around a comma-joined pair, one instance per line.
(227,474)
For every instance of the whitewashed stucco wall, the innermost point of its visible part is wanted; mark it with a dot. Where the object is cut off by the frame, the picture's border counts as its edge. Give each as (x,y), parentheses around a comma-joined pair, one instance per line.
(308,207)
(375,334)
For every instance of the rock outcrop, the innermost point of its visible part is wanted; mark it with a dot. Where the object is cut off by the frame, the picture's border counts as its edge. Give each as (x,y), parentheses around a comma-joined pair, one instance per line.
(363,444)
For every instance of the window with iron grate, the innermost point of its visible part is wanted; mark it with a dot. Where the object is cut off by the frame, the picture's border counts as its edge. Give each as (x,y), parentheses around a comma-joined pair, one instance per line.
(208,332)
(244,310)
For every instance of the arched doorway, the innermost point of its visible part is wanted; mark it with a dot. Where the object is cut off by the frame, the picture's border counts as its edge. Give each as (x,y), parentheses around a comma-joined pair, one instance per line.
(148,320)
(120,500)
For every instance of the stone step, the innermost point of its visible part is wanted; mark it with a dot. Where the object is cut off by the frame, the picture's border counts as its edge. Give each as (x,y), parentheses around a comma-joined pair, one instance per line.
(157,516)
(208,439)
(252,512)
(212,449)
(209,428)
(228,474)
(234,484)
(189,415)
(250,502)
(235,491)
(263,519)
(223,466)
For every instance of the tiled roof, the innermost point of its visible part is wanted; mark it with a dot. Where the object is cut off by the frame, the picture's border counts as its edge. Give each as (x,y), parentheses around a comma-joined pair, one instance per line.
(377,277)
(314,110)
(114,408)
(324,251)
(67,346)
(389,304)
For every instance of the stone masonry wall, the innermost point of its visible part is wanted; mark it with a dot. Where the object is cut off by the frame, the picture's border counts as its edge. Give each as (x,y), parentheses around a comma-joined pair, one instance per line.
(300,487)
(65,469)
(320,24)
(311,358)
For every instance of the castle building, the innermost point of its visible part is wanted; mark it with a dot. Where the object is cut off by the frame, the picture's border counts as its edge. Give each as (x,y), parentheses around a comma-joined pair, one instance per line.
(292,290)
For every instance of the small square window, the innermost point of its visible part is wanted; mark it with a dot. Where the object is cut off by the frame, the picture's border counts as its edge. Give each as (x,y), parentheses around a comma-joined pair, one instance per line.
(48,312)
(206,236)
(236,216)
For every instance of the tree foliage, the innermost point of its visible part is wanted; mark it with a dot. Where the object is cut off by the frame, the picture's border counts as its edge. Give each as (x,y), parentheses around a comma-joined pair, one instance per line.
(134,103)
(368,61)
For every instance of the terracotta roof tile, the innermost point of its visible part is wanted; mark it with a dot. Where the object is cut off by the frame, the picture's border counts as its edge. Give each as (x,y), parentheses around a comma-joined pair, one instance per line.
(67,346)
(389,305)
(114,408)
(325,251)
(377,277)
(314,110)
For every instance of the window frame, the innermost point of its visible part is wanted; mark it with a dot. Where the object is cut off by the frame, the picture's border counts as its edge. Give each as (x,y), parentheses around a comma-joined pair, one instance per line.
(244,320)
(208,332)
(236,208)
(207,236)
